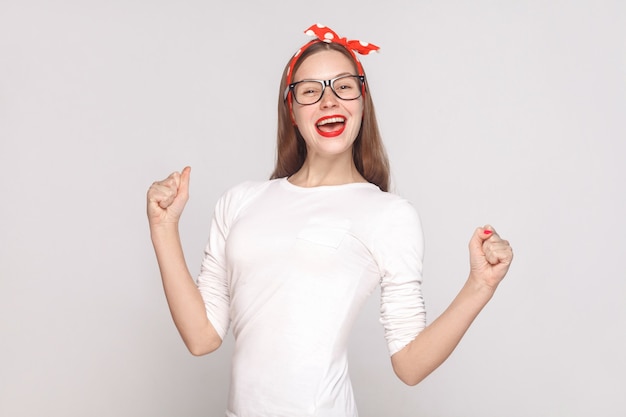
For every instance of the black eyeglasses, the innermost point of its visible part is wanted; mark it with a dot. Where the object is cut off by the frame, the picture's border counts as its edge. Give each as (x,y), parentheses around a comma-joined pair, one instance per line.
(345,87)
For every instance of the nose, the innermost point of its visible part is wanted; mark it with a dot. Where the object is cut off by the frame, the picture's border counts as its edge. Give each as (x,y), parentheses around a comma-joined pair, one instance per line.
(329,99)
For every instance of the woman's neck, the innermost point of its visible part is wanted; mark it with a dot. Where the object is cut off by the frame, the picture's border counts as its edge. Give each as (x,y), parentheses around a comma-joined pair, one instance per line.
(325,172)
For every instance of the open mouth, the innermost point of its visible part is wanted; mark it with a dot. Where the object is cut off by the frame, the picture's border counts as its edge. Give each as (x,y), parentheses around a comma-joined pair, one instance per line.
(331,126)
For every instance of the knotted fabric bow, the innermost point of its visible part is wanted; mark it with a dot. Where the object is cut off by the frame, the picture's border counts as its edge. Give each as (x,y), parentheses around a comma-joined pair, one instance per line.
(324,34)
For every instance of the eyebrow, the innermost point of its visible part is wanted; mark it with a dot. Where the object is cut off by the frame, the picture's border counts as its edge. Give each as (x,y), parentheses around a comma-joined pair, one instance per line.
(317,79)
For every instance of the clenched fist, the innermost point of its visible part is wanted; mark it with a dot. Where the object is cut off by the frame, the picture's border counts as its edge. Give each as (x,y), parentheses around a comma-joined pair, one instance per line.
(490,257)
(167,198)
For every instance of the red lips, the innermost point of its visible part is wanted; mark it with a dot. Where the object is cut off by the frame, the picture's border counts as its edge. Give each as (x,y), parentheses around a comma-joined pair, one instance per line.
(331,126)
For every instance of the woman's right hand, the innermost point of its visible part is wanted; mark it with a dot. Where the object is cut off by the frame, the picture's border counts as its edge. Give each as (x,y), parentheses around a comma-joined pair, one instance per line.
(167,198)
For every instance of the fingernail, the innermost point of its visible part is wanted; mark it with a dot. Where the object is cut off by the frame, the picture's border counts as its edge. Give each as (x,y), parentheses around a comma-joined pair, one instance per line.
(487,232)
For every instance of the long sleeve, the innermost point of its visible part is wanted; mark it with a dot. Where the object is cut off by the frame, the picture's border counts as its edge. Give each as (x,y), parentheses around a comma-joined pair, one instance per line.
(399,250)
(213,278)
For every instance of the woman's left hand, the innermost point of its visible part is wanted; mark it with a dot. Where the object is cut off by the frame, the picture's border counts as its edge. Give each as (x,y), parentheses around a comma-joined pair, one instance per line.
(490,257)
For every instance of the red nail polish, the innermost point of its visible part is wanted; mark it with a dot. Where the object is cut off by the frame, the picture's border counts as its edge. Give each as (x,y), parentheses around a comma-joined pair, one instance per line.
(487,232)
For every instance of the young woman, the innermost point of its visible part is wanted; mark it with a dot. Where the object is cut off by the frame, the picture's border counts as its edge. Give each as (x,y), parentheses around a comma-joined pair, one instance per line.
(290,261)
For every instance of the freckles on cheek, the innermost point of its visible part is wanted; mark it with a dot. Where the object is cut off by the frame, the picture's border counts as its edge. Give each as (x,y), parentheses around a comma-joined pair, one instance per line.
(301,121)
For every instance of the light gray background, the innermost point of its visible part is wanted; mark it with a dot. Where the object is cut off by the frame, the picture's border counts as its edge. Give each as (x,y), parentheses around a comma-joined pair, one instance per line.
(504,112)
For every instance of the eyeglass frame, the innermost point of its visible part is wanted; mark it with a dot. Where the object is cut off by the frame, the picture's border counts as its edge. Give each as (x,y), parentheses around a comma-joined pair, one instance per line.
(327,83)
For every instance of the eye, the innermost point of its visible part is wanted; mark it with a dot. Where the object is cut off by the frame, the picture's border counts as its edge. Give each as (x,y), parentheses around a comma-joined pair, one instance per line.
(345,84)
(308,88)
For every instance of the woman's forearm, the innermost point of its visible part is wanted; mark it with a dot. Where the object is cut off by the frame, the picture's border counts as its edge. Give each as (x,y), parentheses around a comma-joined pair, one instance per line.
(183,297)
(438,340)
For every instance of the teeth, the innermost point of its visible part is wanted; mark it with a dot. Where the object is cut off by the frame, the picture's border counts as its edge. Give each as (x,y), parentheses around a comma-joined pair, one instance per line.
(331,120)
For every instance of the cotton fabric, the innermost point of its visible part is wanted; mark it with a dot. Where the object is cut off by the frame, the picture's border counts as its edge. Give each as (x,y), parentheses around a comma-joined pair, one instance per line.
(288,268)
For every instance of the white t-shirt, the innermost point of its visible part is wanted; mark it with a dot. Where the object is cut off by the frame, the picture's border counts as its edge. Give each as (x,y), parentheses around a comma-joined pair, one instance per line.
(289,269)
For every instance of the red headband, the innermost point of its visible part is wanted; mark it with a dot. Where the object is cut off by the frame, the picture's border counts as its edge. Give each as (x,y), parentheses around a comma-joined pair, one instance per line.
(324,34)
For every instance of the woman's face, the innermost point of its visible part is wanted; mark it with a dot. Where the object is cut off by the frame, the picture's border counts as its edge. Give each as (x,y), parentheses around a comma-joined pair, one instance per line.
(330,126)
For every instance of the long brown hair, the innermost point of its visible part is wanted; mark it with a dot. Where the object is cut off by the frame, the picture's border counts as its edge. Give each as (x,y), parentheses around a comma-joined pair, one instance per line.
(368,151)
